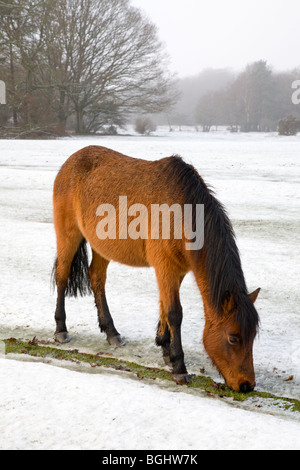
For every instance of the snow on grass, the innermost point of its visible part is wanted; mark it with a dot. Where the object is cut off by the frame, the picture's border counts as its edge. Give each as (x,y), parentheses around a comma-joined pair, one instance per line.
(257,178)
(53,408)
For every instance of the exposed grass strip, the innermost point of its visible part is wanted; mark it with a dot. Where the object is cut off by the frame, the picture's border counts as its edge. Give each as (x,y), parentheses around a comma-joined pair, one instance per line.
(36,349)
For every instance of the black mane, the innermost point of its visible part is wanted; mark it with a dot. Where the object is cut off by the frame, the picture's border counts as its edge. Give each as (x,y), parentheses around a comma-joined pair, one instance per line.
(220,253)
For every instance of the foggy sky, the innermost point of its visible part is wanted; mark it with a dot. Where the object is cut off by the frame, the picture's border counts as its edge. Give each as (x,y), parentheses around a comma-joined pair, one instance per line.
(200,34)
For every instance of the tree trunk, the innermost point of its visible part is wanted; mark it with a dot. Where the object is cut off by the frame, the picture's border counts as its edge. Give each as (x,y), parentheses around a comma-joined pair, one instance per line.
(13,87)
(62,113)
(79,120)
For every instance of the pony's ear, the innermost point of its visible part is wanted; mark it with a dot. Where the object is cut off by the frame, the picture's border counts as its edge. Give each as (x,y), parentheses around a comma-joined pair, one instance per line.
(254,295)
(228,302)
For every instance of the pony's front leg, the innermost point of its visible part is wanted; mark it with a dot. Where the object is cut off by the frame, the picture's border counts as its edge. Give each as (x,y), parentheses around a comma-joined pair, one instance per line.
(169,329)
(163,339)
(179,371)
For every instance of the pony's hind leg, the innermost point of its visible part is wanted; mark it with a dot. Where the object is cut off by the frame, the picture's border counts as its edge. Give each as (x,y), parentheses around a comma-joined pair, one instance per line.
(97,273)
(67,251)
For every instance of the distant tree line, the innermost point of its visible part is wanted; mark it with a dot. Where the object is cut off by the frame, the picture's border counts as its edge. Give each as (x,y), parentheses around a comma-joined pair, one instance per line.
(192,89)
(254,101)
(93,62)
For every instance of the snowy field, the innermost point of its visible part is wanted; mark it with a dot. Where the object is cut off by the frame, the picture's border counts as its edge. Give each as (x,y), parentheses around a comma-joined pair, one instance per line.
(257,177)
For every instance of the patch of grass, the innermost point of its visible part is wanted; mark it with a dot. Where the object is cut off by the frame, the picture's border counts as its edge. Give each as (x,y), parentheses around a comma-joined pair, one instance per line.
(35,348)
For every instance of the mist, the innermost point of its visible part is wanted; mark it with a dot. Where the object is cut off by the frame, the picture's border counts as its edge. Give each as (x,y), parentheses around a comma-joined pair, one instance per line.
(200,35)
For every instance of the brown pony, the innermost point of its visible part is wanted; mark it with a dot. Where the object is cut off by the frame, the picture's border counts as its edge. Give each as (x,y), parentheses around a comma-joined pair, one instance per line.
(96,176)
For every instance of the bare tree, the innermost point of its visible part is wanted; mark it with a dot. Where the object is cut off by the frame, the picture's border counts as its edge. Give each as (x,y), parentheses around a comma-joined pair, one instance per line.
(255,101)
(207,111)
(96,59)
(116,59)
(22,40)
(106,62)
(254,92)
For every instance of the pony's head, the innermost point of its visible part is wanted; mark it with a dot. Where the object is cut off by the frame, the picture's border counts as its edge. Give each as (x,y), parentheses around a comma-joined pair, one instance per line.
(228,339)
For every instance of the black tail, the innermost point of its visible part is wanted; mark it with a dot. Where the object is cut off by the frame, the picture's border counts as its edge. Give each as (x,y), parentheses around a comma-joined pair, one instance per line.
(79,281)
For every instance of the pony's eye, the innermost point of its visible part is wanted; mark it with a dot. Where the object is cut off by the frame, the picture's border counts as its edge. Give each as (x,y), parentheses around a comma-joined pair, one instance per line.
(234,340)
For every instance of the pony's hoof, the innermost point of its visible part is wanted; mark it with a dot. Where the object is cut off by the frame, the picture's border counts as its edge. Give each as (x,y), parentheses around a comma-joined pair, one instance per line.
(116,341)
(62,337)
(181,379)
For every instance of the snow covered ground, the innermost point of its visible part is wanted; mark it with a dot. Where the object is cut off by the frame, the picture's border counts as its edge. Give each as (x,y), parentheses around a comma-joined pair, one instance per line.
(257,177)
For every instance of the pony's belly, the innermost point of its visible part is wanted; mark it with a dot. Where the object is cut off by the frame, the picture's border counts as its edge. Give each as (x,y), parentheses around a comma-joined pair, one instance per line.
(129,252)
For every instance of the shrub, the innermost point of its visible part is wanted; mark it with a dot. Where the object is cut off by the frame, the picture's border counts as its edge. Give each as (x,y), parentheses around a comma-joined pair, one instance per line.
(144,125)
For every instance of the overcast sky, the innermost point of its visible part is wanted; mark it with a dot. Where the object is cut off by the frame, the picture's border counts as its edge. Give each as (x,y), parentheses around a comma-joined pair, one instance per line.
(226,33)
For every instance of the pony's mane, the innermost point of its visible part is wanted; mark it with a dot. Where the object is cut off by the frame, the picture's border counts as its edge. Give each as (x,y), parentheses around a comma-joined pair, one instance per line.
(220,254)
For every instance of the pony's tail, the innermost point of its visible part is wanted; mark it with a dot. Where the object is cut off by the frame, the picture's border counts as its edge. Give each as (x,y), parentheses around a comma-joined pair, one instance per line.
(79,281)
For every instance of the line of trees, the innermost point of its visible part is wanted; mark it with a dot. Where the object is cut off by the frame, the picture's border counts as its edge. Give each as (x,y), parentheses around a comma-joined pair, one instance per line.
(93,61)
(254,101)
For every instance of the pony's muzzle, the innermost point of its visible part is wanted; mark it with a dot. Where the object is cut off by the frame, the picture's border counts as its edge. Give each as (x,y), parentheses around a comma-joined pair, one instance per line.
(246,387)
